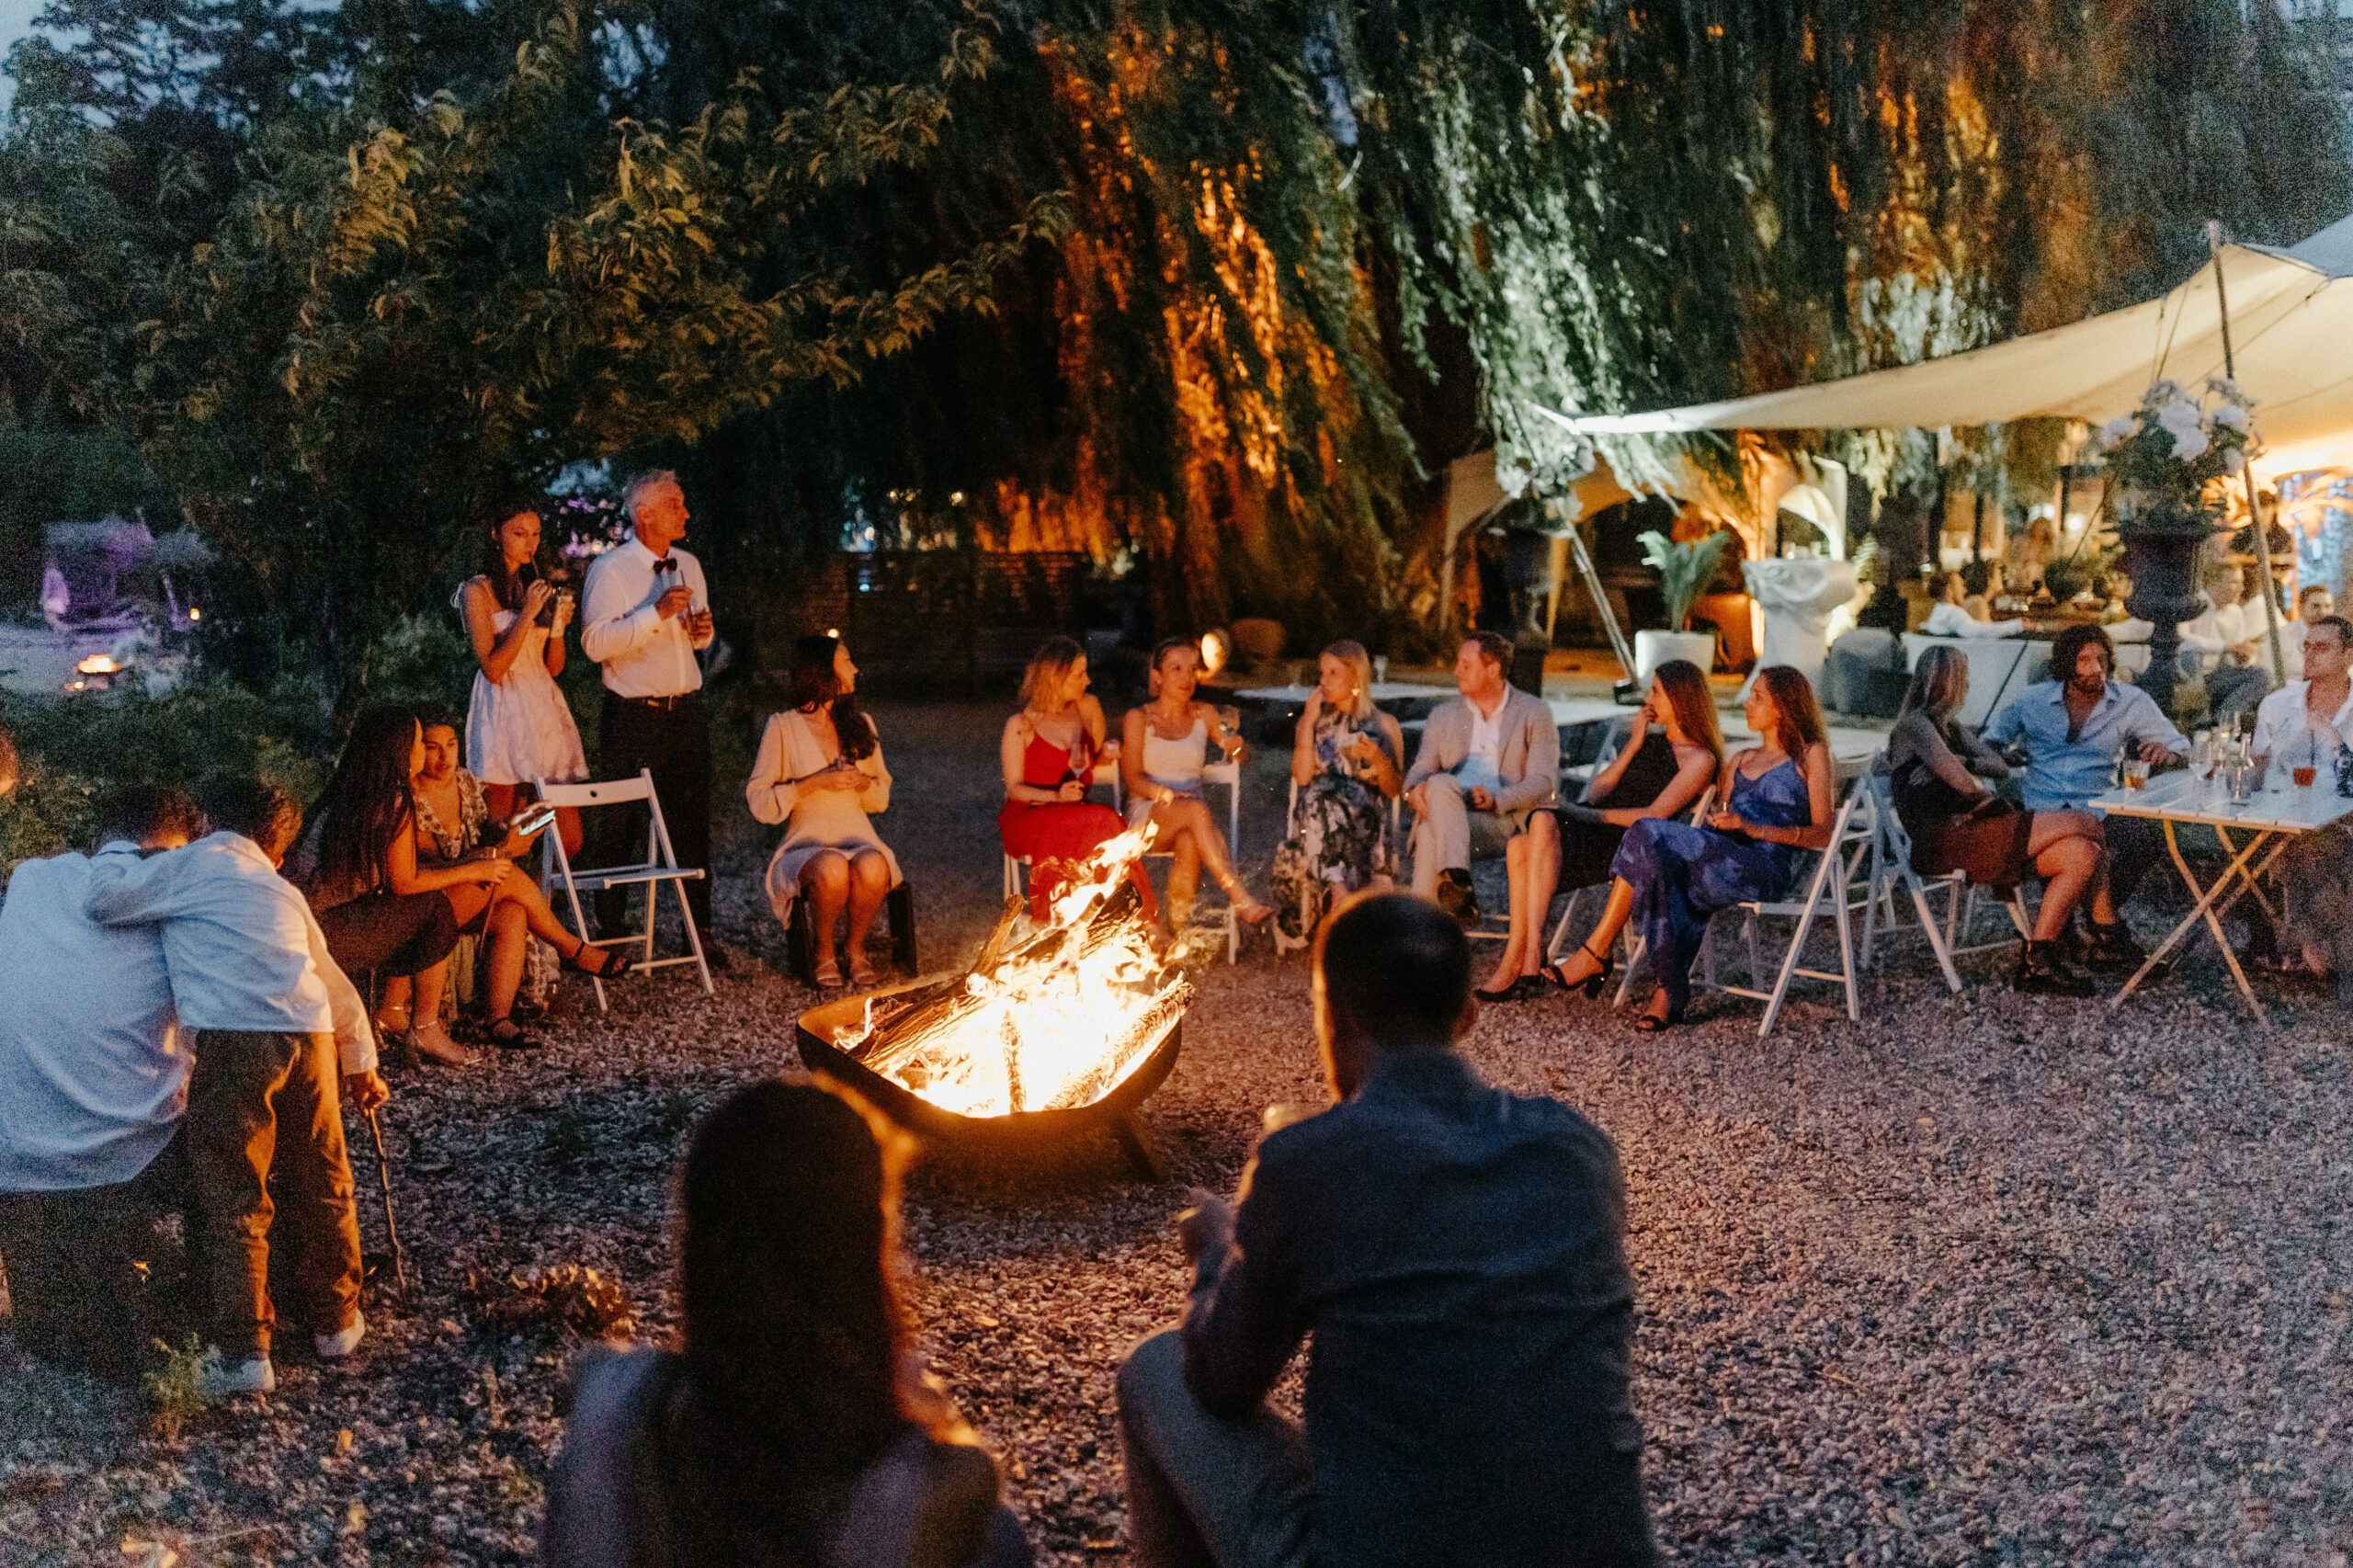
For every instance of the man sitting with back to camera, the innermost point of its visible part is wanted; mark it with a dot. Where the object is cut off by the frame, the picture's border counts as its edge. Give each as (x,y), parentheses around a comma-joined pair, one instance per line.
(94,1070)
(1487,760)
(2072,727)
(1457,1256)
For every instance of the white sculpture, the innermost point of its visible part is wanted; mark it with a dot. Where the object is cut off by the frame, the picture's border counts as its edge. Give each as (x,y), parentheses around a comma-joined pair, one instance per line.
(1797,597)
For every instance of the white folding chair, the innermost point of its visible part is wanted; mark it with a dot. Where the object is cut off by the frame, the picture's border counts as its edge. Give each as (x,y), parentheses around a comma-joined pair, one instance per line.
(1892,873)
(1827,894)
(1387,865)
(660,866)
(1224,919)
(1017,866)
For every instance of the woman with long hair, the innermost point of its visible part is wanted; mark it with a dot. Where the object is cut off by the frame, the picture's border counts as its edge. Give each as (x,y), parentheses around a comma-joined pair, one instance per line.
(1047,757)
(1934,763)
(1777,800)
(794,1424)
(1165,745)
(1673,752)
(820,772)
(519,728)
(1348,761)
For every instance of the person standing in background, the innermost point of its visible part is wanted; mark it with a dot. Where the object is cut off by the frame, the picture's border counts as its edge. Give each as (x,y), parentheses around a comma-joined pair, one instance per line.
(518,727)
(645,614)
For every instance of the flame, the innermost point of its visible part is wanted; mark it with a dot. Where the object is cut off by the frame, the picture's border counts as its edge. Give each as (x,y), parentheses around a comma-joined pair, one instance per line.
(98,664)
(1076,1004)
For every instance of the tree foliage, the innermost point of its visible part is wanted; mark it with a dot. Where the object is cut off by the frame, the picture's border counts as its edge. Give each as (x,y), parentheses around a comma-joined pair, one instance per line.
(1161,274)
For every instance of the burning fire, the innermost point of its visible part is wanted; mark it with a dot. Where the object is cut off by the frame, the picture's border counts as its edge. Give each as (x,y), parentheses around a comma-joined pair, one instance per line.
(1051,1015)
(98,664)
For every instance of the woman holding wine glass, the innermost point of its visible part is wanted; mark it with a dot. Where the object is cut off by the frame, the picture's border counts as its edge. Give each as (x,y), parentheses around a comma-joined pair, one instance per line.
(1166,744)
(519,728)
(1048,756)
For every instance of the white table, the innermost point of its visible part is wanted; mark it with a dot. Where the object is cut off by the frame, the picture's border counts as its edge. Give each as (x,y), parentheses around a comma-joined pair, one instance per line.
(1382,691)
(2272,817)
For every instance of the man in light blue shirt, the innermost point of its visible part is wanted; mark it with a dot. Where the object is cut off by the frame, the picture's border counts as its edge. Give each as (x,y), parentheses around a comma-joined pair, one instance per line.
(2073,727)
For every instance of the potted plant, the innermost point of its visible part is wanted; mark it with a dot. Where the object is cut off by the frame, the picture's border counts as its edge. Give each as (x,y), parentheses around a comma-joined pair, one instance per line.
(1683,570)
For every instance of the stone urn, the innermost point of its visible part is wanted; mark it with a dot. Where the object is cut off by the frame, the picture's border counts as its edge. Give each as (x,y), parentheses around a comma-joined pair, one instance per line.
(2162,539)
(1652,649)
(1798,596)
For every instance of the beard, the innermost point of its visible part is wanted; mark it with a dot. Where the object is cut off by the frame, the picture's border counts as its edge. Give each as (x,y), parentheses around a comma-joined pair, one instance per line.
(2092,685)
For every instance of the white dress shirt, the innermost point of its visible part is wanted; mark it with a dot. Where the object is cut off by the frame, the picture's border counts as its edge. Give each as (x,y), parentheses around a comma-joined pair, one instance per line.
(2281,719)
(1483,766)
(245,951)
(1951,621)
(93,1066)
(644,655)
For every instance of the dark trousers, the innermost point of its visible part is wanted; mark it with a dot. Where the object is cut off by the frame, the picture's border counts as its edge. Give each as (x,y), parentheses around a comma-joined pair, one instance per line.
(390,933)
(674,742)
(76,1293)
(265,1112)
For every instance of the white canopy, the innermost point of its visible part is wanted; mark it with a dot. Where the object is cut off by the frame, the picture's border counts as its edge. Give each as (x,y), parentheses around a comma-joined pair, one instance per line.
(2291,324)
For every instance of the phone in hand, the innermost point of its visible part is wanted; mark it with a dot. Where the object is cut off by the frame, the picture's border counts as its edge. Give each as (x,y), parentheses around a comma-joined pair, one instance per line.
(531,820)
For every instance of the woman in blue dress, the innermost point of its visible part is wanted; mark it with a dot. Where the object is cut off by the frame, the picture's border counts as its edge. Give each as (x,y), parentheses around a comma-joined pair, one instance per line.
(1780,797)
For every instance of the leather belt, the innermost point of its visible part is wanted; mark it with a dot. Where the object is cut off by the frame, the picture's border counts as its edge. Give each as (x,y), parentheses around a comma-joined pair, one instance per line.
(666,704)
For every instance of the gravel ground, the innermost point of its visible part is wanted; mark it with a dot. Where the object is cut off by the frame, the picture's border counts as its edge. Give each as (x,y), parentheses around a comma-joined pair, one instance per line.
(1973,1281)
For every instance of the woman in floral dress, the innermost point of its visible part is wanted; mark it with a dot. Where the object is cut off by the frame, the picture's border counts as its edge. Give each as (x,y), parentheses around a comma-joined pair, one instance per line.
(1348,763)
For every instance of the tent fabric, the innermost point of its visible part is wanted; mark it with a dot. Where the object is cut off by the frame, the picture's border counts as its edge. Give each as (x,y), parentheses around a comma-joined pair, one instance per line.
(2291,320)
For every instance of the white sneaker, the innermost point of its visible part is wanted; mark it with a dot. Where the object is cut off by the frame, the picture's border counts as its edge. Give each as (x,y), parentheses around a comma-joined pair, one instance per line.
(253,1375)
(335,1346)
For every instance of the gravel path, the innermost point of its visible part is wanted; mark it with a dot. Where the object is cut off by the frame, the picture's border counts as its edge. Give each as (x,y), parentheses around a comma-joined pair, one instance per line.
(1970,1283)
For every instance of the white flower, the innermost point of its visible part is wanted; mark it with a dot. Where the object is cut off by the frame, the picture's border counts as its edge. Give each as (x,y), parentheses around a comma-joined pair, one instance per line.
(2232,415)
(2180,419)
(2116,432)
(2160,393)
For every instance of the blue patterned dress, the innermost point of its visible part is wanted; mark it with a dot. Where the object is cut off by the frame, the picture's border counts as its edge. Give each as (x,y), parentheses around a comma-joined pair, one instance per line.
(1682,874)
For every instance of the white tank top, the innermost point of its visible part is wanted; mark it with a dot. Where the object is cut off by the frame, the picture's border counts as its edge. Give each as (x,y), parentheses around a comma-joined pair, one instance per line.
(1177,764)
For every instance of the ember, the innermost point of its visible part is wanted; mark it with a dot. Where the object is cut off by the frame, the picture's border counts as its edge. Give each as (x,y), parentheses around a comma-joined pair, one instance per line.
(1050,1017)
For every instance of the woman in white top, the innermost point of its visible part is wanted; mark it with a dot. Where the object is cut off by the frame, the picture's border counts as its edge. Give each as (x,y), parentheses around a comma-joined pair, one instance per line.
(820,773)
(1166,744)
(1951,615)
(518,727)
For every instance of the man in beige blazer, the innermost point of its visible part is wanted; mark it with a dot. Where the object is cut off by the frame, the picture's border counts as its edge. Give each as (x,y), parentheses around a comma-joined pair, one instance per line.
(1488,759)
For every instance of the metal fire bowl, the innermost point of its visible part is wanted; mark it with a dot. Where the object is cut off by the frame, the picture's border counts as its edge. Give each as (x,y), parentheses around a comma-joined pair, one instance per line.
(1115,1111)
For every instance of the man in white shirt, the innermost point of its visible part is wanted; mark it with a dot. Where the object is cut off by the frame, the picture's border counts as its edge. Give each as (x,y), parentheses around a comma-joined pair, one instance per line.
(1487,760)
(2229,635)
(93,1080)
(251,974)
(2305,722)
(644,613)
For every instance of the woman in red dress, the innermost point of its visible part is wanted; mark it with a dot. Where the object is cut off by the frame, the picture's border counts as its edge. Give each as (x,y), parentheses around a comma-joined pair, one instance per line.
(1049,755)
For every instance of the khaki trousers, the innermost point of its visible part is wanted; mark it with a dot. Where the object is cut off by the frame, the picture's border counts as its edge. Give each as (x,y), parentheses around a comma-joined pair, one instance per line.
(264,1112)
(1449,834)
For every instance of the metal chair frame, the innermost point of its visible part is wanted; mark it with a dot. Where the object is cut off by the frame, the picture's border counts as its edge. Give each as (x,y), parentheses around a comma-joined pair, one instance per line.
(660,866)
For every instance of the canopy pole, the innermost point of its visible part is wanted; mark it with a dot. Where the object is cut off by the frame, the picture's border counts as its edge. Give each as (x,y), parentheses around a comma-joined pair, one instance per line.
(2254,515)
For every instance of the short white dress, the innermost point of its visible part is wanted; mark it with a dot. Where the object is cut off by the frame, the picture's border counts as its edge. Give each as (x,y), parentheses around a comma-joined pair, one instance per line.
(839,820)
(520,730)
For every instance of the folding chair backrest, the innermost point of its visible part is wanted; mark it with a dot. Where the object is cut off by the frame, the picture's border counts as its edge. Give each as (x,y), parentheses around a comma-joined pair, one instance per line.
(605,792)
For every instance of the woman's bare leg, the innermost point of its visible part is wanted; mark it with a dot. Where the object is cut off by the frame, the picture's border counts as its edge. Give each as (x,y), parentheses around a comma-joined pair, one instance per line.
(2066,851)
(1188,825)
(1507,967)
(507,938)
(1582,965)
(426,1034)
(824,882)
(870,883)
(395,1003)
(425,992)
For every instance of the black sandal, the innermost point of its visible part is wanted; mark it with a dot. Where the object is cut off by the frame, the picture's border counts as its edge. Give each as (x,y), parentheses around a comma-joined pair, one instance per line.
(1592,983)
(1650,1023)
(615,962)
(1519,990)
(508,1035)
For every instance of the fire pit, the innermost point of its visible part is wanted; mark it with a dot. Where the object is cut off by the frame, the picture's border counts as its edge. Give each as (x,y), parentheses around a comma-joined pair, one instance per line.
(1060,1026)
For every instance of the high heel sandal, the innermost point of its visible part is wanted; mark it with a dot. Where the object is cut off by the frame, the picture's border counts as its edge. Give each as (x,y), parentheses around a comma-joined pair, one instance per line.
(508,1035)
(613,963)
(1652,1023)
(1521,989)
(861,971)
(1591,985)
(1253,913)
(448,1053)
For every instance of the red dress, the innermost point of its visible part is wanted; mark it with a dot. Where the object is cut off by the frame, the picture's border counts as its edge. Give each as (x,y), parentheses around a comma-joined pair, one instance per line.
(1060,831)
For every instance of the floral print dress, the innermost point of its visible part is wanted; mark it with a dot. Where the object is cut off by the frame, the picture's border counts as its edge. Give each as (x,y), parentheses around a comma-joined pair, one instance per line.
(1337,839)
(453,842)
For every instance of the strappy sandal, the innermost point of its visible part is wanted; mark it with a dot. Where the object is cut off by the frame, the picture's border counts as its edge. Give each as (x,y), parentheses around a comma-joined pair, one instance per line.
(392,1021)
(861,973)
(1521,988)
(827,976)
(1592,983)
(613,965)
(448,1053)
(508,1035)
(1652,1023)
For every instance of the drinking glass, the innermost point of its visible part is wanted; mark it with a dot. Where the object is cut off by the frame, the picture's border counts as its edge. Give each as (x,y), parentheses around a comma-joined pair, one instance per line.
(2307,760)
(1231,717)
(2136,773)
(1380,669)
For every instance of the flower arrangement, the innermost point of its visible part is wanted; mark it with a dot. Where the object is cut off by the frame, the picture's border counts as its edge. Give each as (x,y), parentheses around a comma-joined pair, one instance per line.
(2174,446)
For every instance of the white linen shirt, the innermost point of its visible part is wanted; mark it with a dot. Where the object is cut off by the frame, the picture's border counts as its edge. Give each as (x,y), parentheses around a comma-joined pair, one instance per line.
(1483,767)
(245,951)
(644,655)
(93,1064)
(1951,621)
(2281,718)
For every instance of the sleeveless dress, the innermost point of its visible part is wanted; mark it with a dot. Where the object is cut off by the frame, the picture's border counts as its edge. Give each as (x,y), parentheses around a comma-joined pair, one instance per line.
(1589,846)
(1173,764)
(1681,874)
(817,819)
(1053,832)
(1336,842)
(520,730)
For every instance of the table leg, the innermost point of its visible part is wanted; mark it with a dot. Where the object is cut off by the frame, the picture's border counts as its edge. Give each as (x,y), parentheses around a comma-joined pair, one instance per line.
(2254,885)
(2204,911)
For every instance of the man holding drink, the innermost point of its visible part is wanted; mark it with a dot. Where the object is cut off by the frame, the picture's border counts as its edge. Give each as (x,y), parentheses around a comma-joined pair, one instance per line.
(2306,719)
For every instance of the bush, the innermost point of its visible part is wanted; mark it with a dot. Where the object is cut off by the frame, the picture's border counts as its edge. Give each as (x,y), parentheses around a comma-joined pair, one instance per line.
(75,747)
